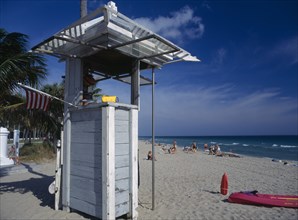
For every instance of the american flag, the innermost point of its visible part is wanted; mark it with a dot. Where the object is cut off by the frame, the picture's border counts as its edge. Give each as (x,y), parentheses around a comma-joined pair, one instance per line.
(36,100)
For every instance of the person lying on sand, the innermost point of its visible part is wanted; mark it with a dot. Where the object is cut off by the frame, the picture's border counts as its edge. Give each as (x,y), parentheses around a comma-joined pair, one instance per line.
(171,150)
(193,148)
(217,150)
(211,150)
(214,150)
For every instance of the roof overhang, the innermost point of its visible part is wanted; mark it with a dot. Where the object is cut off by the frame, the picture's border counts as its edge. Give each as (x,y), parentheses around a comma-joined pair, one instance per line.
(109,42)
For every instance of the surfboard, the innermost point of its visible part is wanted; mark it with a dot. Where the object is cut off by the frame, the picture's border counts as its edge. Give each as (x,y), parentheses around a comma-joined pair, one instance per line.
(254,198)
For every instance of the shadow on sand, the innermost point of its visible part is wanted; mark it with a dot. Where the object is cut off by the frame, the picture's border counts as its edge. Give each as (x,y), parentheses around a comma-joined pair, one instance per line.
(38,186)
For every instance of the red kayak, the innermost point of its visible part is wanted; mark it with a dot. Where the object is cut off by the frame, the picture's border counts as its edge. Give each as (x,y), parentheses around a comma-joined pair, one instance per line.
(254,198)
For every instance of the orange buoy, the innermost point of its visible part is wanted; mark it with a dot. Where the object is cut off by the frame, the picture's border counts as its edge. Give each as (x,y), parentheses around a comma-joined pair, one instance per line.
(224,184)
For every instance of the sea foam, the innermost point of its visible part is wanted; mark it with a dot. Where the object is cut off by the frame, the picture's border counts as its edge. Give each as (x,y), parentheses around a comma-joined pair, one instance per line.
(288,146)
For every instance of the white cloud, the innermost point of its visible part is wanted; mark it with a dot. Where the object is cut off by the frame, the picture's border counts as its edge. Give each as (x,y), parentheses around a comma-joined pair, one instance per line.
(217,110)
(176,26)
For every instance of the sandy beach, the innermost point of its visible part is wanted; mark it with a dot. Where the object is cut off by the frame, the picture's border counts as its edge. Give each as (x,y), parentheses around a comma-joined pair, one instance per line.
(187,186)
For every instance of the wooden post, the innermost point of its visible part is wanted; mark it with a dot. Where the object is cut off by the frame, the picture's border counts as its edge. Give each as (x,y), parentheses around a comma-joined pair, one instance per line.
(135,84)
(108,163)
(133,151)
(66,162)
(73,86)
(83,8)
(58,177)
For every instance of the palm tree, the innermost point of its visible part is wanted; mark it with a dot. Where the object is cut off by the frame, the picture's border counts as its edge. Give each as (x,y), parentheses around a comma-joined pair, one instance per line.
(17,65)
(37,120)
(53,121)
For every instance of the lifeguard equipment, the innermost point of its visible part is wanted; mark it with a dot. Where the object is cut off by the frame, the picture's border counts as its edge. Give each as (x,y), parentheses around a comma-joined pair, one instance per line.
(254,198)
(224,184)
(107,98)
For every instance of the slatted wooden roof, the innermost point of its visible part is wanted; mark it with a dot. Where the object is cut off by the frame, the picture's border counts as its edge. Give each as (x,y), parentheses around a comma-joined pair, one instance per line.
(109,43)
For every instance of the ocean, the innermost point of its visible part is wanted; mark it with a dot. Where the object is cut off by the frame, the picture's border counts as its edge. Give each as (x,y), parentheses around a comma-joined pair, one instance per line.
(275,147)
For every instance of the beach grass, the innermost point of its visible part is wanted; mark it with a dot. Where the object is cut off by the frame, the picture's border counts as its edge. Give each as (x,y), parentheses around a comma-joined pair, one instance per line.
(37,152)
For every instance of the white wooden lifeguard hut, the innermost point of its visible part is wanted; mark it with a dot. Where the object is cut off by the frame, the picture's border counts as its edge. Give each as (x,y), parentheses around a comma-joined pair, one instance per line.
(100,141)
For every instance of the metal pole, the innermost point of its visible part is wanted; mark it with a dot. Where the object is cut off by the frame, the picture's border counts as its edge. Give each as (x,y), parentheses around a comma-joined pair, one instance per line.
(153,140)
(83,8)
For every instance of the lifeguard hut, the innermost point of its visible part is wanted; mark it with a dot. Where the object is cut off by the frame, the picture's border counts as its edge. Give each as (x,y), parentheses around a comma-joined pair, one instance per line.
(100,146)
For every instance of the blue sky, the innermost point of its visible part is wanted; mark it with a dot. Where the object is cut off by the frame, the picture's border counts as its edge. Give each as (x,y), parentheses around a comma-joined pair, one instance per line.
(245,84)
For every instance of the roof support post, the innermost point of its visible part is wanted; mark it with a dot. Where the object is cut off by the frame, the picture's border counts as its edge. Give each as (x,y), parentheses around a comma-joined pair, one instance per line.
(73,79)
(73,86)
(153,143)
(135,84)
(83,8)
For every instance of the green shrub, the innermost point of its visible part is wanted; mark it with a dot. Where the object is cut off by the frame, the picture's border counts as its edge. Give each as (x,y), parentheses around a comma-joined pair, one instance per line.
(37,152)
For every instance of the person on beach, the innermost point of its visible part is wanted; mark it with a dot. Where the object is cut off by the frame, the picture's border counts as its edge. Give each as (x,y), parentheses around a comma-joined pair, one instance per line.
(186,149)
(205,147)
(150,156)
(13,155)
(211,150)
(217,150)
(173,149)
(194,147)
(214,150)
(170,150)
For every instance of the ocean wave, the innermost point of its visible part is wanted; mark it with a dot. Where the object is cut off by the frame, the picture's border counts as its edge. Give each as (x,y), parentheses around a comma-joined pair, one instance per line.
(235,143)
(288,146)
(245,145)
(229,144)
(274,145)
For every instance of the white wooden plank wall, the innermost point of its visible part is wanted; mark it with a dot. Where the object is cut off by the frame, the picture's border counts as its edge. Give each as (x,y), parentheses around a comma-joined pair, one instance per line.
(133,172)
(85,168)
(108,163)
(102,145)
(122,162)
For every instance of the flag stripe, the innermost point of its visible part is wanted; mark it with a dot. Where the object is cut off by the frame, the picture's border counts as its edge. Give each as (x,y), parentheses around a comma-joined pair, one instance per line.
(33,100)
(42,101)
(36,100)
(27,99)
(46,104)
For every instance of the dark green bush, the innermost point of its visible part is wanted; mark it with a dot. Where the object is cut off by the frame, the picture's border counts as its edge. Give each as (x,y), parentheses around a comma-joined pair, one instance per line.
(37,152)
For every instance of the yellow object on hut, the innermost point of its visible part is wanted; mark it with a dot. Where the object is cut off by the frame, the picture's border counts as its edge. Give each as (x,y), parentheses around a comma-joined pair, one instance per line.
(108,98)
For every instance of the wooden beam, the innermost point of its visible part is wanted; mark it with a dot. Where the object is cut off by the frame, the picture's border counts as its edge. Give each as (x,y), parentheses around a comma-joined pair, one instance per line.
(133,151)
(73,86)
(135,84)
(66,162)
(108,163)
